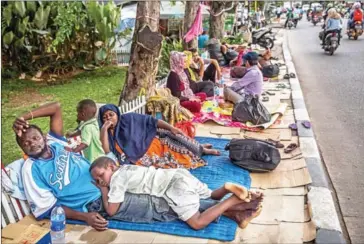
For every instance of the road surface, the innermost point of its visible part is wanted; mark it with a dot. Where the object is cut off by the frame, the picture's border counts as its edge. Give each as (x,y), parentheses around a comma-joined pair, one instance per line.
(333,88)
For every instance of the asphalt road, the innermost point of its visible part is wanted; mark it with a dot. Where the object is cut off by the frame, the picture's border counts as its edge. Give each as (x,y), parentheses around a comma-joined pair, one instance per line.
(333,88)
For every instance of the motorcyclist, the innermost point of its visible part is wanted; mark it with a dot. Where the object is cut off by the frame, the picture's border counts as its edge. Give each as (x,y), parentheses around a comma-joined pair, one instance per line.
(355,15)
(289,16)
(329,6)
(333,24)
(296,15)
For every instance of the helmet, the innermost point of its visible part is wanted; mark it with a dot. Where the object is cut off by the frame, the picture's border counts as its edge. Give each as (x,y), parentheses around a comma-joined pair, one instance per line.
(357,5)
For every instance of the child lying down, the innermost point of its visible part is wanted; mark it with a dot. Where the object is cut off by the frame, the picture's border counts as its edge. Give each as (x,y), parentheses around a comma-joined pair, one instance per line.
(182,191)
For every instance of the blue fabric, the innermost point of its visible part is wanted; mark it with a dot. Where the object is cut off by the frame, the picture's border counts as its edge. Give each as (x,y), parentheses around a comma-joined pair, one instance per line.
(133,132)
(202,39)
(218,171)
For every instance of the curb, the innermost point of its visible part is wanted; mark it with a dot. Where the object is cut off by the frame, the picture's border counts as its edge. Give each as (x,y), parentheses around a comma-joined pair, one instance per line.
(320,200)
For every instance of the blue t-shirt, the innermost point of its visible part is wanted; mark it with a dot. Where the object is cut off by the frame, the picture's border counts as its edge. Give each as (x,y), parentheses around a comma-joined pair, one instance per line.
(202,39)
(63,179)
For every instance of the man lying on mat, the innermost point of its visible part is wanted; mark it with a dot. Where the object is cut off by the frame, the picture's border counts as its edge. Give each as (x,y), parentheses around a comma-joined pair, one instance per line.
(182,191)
(52,175)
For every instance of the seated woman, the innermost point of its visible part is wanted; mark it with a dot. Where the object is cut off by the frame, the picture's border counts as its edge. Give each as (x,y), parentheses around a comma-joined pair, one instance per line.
(143,140)
(179,84)
(196,67)
(193,73)
(252,82)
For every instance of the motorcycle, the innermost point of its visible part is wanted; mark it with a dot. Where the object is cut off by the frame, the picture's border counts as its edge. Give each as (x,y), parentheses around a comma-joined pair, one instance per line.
(290,23)
(263,37)
(331,42)
(356,31)
(315,20)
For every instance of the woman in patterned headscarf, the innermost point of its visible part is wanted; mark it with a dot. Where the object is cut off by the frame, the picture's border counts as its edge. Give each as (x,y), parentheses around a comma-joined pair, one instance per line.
(179,84)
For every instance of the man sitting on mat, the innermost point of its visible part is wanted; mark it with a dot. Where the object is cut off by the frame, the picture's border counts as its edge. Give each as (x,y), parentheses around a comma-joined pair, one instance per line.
(52,175)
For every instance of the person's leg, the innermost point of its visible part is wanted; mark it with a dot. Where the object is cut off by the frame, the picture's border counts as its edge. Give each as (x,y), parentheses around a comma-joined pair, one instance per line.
(239,191)
(210,73)
(201,220)
(194,107)
(242,218)
(285,24)
(206,87)
(141,208)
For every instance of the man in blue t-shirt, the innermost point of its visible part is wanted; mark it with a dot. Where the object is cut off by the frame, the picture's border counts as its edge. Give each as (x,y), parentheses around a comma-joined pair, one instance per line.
(202,40)
(52,175)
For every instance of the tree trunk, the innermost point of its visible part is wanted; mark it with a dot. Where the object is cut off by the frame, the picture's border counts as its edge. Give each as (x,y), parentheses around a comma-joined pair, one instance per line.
(146,47)
(190,15)
(217,22)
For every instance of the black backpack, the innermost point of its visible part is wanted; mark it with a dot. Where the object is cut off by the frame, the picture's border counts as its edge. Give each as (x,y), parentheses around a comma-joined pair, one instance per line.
(270,71)
(253,155)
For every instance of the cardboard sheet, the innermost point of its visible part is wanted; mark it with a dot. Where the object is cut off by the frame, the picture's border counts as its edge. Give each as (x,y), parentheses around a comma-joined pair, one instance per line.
(294,191)
(283,179)
(277,233)
(281,208)
(204,130)
(262,135)
(285,134)
(291,164)
(222,130)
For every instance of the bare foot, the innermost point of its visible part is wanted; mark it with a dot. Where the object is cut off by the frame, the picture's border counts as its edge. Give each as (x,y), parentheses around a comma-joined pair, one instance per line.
(256,195)
(207,151)
(239,191)
(252,205)
(207,145)
(243,218)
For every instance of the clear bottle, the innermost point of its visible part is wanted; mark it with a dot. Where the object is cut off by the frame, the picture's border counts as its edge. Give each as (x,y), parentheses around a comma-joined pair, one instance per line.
(58,225)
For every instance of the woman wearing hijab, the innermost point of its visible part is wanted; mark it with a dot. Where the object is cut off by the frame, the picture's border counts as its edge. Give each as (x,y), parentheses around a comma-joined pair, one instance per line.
(143,140)
(179,84)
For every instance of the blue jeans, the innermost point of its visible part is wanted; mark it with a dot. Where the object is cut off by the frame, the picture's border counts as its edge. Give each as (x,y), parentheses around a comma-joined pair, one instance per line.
(139,208)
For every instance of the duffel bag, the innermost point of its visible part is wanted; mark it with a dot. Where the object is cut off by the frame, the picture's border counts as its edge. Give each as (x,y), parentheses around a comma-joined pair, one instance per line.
(253,155)
(270,71)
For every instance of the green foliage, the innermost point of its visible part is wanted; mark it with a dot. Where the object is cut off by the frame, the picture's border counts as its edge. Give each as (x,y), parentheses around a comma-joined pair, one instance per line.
(102,85)
(167,47)
(57,36)
(237,39)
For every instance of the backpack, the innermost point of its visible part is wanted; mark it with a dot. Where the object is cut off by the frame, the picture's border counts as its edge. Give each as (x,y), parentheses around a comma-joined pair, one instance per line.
(270,71)
(358,15)
(253,155)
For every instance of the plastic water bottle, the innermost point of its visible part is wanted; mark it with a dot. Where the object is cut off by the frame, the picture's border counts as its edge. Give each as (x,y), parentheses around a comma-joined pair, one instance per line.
(58,225)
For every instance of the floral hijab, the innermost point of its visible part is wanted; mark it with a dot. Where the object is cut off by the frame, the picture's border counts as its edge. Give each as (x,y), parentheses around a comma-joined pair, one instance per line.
(177,65)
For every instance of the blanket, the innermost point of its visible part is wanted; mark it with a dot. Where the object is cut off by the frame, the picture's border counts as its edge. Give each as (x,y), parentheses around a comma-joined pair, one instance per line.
(218,171)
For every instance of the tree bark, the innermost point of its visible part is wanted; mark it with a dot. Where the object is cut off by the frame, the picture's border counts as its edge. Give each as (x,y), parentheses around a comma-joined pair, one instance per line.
(217,22)
(190,15)
(146,47)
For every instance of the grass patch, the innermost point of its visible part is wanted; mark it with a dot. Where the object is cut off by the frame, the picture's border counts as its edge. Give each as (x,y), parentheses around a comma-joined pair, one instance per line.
(18,96)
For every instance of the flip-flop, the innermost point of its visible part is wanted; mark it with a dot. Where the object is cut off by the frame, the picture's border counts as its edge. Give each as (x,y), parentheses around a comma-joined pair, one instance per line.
(265,79)
(290,148)
(281,86)
(265,99)
(293,126)
(277,144)
(306,124)
(286,76)
(264,93)
(292,75)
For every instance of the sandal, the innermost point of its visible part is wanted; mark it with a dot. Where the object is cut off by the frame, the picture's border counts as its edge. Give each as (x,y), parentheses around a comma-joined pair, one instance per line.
(286,76)
(281,86)
(277,144)
(293,126)
(265,99)
(306,124)
(292,75)
(290,148)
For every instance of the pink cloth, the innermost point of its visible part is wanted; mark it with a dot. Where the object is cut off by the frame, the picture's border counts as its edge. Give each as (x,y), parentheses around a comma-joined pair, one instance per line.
(196,28)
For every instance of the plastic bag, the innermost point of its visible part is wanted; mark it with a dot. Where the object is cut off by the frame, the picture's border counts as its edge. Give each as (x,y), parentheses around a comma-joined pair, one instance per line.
(252,110)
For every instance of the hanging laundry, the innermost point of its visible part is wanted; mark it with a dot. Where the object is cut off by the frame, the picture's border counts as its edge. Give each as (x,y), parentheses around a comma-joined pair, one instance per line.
(196,28)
